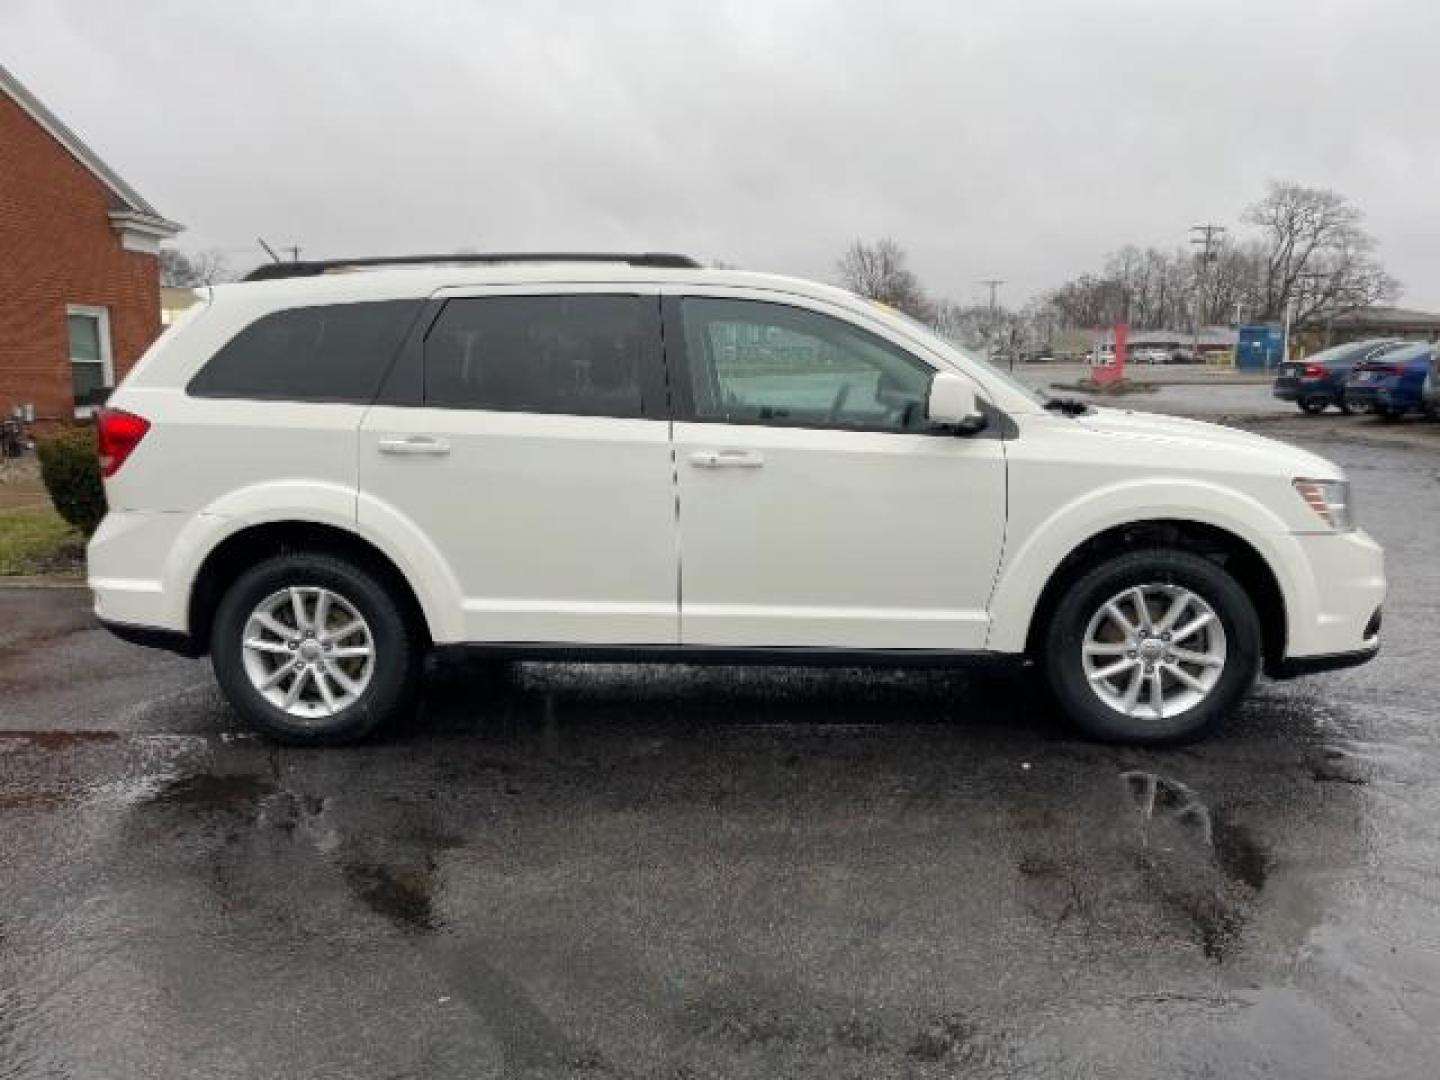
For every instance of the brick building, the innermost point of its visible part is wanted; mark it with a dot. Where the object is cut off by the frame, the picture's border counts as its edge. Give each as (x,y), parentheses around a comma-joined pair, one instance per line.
(79,264)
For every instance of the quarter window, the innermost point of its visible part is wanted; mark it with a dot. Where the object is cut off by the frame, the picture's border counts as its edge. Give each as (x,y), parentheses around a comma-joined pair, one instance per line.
(91,371)
(756,362)
(331,352)
(581,355)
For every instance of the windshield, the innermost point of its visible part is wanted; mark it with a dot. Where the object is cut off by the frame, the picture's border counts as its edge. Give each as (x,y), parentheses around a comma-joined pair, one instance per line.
(943,344)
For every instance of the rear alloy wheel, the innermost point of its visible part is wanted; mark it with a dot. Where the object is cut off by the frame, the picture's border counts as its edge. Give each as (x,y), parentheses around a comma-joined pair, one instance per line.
(311,649)
(1313,405)
(308,652)
(1154,646)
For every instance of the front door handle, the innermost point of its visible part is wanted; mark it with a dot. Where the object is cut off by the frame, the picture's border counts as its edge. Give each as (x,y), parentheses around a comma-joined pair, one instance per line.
(415,445)
(727,459)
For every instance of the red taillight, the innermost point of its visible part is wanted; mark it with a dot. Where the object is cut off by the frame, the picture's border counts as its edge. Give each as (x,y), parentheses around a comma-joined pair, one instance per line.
(1314,371)
(117,433)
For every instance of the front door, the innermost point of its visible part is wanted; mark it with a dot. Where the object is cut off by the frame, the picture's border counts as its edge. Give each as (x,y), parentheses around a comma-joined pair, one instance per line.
(816,508)
(534,464)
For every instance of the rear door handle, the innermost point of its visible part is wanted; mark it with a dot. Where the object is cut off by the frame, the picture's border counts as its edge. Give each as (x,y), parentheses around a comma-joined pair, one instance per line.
(415,445)
(727,459)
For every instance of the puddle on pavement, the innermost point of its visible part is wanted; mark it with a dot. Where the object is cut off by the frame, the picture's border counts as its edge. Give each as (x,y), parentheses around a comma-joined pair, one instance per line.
(52,741)
(403,895)
(1332,765)
(210,791)
(1240,854)
(1201,865)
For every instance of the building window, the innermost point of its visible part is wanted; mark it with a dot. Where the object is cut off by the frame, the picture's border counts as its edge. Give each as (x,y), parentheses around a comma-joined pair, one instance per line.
(91,366)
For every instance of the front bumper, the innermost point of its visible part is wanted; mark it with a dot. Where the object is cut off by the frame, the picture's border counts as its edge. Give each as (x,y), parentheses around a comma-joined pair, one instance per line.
(1314,665)
(1334,602)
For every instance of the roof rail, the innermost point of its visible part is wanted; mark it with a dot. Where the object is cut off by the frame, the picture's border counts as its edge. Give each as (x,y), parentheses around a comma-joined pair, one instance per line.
(313,268)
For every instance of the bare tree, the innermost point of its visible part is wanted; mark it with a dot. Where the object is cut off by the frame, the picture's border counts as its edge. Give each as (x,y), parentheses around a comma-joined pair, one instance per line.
(1310,255)
(1315,253)
(878,271)
(194,268)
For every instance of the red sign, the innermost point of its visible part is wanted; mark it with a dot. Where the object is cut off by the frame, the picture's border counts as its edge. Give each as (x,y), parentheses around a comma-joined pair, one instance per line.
(1116,368)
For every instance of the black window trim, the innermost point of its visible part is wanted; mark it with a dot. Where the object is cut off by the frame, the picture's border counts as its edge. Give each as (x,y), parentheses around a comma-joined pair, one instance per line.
(677,363)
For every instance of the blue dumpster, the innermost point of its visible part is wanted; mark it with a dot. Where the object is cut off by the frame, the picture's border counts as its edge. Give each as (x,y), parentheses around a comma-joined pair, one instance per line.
(1259,346)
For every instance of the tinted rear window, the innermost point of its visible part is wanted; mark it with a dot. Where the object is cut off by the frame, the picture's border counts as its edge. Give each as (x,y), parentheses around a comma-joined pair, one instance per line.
(334,352)
(581,355)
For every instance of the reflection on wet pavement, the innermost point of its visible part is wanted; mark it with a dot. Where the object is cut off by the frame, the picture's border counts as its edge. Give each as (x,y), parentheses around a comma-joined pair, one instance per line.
(661,872)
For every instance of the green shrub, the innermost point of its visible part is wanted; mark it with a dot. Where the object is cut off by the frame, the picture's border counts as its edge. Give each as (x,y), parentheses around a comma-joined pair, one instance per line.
(70,467)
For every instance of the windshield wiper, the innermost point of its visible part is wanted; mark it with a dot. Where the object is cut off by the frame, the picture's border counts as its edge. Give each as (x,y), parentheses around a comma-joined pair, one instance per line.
(1069,406)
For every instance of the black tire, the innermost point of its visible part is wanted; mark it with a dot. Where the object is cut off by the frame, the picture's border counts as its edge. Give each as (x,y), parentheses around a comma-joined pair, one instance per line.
(1064,637)
(1345,410)
(393,683)
(1388,415)
(1313,406)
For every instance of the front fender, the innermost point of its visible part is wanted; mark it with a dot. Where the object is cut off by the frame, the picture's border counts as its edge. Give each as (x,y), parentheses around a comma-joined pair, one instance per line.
(1031,559)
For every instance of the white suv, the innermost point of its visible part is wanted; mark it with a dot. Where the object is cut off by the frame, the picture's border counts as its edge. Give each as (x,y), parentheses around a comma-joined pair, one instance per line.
(321,477)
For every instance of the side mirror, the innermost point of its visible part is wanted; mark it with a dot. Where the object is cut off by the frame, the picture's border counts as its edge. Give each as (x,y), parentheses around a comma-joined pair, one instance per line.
(952,405)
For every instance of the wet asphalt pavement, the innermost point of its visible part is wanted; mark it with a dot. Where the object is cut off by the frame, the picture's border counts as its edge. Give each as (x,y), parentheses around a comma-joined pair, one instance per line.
(724,872)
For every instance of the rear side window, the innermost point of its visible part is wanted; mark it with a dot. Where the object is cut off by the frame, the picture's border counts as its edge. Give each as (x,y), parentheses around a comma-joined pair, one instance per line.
(333,352)
(581,355)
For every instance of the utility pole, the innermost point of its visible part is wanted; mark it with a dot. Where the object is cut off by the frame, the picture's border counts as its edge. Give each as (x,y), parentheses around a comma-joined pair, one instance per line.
(1207,238)
(1303,282)
(994,284)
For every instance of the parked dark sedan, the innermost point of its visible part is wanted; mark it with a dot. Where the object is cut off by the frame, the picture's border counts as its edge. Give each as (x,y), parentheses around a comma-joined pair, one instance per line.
(1319,381)
(1392,384)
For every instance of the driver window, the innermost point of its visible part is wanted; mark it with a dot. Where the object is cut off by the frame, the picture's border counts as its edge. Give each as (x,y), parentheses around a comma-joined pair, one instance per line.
(755,362)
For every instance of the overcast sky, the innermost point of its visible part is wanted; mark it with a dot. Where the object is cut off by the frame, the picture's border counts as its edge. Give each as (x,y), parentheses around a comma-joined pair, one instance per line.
(1004,139)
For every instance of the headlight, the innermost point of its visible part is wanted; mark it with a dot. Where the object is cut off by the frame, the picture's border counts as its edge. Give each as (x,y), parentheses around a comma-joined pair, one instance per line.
(1330,499)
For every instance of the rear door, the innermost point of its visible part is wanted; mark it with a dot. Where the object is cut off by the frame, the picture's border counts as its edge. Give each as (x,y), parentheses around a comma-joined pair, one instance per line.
(816,509)
(524,439)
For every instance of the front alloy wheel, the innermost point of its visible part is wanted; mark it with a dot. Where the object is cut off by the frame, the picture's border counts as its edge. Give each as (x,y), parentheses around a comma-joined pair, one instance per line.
(1154,651)
(1154,645)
